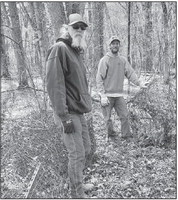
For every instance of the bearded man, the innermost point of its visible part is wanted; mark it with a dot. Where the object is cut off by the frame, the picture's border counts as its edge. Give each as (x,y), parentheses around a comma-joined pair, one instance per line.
(112,70)
(68,92)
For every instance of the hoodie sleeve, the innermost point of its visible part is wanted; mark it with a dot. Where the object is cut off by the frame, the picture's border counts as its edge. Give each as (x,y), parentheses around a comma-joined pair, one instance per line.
(56,82)
(130,73)
(101,75)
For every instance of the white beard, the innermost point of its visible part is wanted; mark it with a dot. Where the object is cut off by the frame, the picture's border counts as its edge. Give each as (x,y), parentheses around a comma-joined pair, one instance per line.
(78,42)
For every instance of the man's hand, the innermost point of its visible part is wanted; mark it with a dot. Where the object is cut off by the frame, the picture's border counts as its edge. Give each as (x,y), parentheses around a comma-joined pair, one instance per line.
(57,120)
(104,101)
(144,84)
(68,126)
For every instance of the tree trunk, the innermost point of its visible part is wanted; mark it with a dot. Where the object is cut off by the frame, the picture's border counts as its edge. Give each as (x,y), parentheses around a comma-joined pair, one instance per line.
(148,35)
(4,59)
(3,46)
(129,28)
(165,54)
(18,47)
(75,7)
(57,16)
(72,7)
(98,17)
(98,36)
(42,43)
(43,40)
(128,47)
(109,24)
(137,37)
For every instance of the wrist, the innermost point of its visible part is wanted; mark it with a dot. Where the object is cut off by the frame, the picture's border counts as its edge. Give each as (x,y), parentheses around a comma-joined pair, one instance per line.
(103,96)
(139,83)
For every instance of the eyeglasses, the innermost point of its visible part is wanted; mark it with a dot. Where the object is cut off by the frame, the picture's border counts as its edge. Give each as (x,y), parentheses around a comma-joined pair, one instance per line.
(76,27)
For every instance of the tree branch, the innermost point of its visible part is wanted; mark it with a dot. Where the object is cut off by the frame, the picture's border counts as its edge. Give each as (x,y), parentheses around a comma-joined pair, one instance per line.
(39,90)
(10,38)
(141,91)
(28,16)
(7,26)
(125,8)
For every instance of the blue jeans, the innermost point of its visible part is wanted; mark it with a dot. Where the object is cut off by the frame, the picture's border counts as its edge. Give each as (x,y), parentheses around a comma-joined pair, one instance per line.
(119,104)
(78,145)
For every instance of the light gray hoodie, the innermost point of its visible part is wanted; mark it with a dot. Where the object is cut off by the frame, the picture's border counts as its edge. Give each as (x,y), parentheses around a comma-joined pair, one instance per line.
(111,72)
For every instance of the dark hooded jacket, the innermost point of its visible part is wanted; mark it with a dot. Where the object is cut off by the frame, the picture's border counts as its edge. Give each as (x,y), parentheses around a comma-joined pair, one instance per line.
(66,79)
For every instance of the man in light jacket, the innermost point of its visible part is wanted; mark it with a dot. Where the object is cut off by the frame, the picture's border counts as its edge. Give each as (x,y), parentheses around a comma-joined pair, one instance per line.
(68,92)
(112,69)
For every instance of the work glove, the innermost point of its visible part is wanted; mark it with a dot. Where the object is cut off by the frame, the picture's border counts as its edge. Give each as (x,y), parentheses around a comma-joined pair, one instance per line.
(104,100)
(68,126)
(64,122)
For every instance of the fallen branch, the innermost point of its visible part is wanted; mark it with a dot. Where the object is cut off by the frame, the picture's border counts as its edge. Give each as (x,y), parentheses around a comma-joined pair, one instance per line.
(32,180)
(17,89)
(9,91)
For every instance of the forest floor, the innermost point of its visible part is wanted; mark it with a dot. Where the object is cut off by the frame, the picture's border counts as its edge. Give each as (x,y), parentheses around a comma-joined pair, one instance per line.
(31,148)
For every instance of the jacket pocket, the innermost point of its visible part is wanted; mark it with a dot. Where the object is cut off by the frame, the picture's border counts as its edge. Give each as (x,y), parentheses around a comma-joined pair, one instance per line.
(85,104)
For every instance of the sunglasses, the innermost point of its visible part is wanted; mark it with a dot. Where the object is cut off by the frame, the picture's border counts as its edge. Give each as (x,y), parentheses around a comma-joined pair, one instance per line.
(76,27)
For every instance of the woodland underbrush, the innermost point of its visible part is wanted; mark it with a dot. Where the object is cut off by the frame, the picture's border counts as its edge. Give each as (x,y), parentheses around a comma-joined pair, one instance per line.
(34,159)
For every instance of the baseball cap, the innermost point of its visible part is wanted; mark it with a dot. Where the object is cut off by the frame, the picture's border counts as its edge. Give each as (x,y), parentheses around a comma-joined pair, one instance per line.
(76,18)
(113,38)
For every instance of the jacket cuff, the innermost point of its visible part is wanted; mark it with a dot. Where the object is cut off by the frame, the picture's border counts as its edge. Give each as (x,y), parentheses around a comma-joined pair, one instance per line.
(65,117)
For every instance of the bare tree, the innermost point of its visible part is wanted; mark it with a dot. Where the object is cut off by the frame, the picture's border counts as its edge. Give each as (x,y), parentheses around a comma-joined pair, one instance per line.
(96,49)
(166,41)
(98,26)
(57,16)
(18,46)
(3,47)
(43,40)
(148,35)
(4,58)
(129,30)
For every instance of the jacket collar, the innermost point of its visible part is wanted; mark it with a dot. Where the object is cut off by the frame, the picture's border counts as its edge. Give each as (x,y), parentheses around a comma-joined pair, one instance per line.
(67,40)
